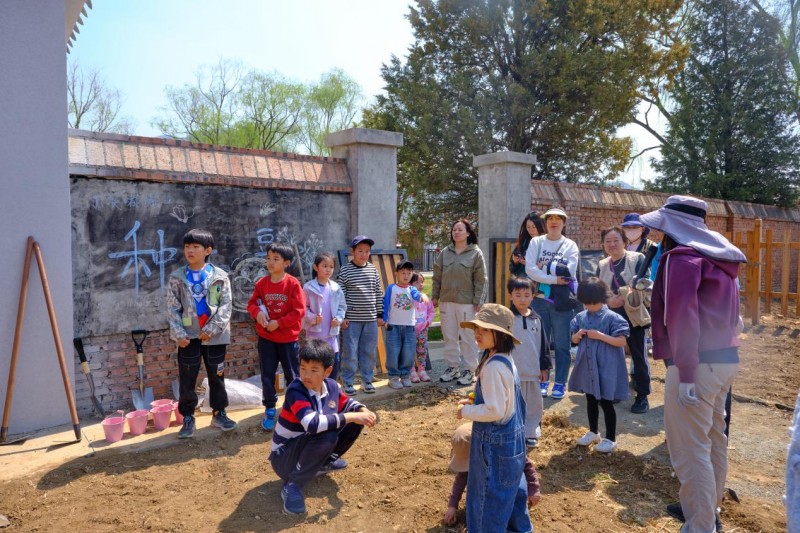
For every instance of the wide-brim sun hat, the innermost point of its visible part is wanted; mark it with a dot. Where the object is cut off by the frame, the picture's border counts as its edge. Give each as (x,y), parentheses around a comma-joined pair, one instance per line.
(495,317)
(555,211)
(683,218)
(459,452)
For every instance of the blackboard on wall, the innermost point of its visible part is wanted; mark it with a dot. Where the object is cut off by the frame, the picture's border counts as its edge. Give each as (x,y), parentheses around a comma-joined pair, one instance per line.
(127,236)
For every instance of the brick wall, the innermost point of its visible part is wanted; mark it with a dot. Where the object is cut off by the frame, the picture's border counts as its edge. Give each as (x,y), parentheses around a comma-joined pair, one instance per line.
(112,359)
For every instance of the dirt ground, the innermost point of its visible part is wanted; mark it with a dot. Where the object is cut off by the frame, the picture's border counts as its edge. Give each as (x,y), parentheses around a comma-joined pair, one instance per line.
(398,478)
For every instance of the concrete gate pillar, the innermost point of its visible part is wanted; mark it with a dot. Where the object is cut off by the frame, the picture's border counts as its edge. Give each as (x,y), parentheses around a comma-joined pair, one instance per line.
(504,198)
(372,164)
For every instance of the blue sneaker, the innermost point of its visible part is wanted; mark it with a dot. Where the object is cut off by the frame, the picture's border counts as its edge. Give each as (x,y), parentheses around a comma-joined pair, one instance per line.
(544,385)
(333,466)
(187,430)
(558,391)
(293,500)
(268,422)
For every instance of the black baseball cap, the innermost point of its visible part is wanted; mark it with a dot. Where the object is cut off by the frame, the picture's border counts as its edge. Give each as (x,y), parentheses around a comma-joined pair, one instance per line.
(358,239)
(404,263)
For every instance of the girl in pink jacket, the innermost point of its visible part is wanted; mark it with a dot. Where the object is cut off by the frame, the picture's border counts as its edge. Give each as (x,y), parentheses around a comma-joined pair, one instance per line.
(424,313)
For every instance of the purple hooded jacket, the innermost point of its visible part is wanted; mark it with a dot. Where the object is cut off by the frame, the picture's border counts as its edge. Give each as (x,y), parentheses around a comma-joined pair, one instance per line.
(695,310)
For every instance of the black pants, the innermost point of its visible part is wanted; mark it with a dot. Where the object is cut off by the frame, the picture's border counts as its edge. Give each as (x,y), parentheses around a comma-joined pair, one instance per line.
(299,460)
(637,345)
(269,355)
(609,414)
(189,367)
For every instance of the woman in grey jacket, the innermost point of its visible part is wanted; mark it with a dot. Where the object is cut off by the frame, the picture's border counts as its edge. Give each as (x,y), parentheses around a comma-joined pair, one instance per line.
(459,281)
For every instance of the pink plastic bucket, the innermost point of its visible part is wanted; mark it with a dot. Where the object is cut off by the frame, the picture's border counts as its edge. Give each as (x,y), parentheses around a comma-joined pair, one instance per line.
(178,415)
(137,421)
(161,416)
(113,426)
(157,403)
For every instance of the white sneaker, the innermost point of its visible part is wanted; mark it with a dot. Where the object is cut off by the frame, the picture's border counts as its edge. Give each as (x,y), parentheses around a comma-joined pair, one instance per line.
(606,446)
(466,378)
(395,383)
(450,374)
(589,439)
(406,382)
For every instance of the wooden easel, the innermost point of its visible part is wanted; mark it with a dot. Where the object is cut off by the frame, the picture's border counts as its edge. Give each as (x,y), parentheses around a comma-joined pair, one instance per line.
(33,248)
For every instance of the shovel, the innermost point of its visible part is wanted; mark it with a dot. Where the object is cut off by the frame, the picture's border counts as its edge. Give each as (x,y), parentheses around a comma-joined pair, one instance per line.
(144,396)
(78,343)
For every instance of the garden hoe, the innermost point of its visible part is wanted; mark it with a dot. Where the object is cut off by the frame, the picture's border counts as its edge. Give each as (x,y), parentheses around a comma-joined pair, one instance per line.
(143,397)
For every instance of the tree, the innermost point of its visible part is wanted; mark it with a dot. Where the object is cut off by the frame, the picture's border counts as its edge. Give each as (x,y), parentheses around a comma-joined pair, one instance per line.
(555,78)
(208,111)
(271,111)
(731,133)
(228,105)
(91,104)
(331,105)
(788,13)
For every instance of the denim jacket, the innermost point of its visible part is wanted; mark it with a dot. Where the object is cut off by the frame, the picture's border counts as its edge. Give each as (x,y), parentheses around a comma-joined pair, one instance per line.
(314,304)
(183,321)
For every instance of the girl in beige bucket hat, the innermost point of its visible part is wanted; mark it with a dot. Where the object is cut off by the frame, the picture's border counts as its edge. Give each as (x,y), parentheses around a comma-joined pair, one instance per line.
(498,429)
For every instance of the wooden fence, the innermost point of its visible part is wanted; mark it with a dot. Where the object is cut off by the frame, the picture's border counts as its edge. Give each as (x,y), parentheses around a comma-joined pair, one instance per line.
(771,267)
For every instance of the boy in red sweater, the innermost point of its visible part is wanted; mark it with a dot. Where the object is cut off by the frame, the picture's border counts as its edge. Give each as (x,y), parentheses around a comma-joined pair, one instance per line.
(277,305)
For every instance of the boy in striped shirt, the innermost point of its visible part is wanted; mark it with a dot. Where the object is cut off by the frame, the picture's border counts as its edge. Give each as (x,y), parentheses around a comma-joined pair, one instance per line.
(361,286)
(317,425)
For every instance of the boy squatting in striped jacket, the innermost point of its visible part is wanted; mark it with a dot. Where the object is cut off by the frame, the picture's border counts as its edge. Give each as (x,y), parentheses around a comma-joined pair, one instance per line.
(317,425)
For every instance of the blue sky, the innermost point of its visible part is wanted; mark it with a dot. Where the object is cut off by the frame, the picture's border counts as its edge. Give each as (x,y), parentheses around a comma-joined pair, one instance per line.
(142,46)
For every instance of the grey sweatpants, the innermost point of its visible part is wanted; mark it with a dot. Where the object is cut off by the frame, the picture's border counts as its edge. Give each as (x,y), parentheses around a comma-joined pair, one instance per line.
(698,447)
(532,393)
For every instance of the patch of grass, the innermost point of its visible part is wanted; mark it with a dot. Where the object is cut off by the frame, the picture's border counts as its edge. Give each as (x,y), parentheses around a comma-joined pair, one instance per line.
(435,334)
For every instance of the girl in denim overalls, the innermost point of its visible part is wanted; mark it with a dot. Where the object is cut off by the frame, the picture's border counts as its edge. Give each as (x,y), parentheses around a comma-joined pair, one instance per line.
(497,492)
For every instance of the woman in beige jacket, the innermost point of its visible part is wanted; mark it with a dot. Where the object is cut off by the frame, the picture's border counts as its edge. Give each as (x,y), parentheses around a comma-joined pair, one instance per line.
(459,282)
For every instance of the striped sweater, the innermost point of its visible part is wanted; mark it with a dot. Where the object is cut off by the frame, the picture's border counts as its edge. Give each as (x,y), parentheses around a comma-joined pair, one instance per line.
(305,412)
(362,292)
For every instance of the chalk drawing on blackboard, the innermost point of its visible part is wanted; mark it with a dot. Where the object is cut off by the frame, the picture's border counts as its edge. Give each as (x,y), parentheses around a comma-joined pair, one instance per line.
(135,261)
(245,272)
(265,237)
(267,209)
(181,213)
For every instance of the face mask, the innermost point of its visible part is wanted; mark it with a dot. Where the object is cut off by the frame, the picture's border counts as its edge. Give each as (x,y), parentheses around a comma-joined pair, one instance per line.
(633,234)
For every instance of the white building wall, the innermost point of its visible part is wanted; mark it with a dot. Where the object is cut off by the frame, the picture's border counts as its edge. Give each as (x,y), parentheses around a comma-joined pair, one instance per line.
(34,200)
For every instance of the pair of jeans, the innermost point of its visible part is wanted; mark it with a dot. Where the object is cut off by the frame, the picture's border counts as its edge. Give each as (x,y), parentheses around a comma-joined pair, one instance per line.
(558,323)
(213,356)
(299,460)
(269,355)
(497,491)
(401,344)
(360,341)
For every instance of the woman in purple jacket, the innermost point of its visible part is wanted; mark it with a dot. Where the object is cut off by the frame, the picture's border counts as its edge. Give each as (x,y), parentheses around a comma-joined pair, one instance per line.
(695,314)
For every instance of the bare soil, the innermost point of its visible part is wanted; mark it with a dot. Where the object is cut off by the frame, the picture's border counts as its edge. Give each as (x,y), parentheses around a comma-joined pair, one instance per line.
(398,478)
